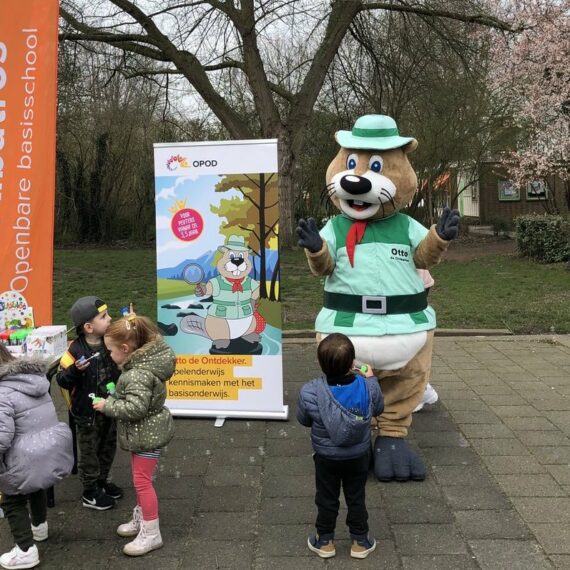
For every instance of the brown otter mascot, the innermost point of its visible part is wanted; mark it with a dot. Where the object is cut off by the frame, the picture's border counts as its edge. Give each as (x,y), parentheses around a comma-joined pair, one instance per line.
(369,254)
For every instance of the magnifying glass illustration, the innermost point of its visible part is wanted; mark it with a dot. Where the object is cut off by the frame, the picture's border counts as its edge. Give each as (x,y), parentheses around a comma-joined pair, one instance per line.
(193,274)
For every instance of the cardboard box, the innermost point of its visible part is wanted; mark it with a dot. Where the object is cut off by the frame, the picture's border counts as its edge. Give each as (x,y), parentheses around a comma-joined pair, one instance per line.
(47,341)
(16,350)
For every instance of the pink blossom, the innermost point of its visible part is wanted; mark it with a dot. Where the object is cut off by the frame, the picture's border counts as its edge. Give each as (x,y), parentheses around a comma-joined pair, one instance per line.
(532,73)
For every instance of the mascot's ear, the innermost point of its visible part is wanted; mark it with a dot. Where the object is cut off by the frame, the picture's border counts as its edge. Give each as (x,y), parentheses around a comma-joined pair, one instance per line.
(411,146)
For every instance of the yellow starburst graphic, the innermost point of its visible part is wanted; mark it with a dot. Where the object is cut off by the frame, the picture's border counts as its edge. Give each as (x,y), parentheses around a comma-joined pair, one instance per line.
(178,205)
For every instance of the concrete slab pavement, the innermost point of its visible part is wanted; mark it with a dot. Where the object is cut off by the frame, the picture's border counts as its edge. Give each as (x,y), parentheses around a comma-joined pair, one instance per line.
(497,496)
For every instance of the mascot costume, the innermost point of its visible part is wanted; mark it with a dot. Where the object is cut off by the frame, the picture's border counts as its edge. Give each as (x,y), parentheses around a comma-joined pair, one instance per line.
(373,294)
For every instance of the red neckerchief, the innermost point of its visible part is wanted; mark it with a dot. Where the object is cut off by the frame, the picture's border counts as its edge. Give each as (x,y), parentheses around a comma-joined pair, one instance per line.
(355,234)
(236,284)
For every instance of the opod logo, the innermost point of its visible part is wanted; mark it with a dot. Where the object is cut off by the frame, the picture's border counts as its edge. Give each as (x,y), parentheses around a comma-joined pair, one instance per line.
(176,161)
(202,163)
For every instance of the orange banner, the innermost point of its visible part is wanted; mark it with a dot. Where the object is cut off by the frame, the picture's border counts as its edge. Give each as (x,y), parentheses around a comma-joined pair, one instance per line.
(28,90)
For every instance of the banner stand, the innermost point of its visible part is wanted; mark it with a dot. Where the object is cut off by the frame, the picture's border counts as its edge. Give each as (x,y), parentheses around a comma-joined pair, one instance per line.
(218,278)
(220,420)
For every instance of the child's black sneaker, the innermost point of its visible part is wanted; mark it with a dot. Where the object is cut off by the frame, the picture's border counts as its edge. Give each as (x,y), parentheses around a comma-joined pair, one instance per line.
(362,547)
(111,489)
(98,500)
(321,546)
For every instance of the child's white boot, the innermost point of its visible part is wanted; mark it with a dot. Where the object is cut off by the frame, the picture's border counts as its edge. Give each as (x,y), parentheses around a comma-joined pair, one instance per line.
(147,539)
(133,527)
(40,532)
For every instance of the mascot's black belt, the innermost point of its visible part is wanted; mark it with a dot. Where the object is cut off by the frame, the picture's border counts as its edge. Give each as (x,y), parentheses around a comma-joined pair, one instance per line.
(376,304)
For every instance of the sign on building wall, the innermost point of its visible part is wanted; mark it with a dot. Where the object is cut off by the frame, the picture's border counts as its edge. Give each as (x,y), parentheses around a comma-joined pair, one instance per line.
(28,88)
(218,277)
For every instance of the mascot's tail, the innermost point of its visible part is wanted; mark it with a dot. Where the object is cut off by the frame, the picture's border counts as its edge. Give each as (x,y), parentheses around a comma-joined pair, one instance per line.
(194,324)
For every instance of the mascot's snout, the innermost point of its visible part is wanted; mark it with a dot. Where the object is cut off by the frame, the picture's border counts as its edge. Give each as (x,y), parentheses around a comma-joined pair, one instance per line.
(355,185)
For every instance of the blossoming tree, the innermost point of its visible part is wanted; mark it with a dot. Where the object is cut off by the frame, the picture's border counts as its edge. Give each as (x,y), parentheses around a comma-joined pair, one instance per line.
(533,73)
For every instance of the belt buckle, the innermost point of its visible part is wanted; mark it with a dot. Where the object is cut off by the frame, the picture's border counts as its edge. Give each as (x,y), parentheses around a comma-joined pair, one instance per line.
(381,310)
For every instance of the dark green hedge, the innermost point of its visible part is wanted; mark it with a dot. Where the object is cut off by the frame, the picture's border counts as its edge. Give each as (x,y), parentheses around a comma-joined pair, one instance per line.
(545,238)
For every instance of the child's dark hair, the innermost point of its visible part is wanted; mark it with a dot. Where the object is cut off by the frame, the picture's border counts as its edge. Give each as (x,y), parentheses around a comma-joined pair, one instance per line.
(336,354)
(5,355)
(132,330)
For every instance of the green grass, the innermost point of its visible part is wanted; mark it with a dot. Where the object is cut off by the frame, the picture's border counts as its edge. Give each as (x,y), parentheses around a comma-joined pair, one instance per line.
(118,276)
(498,291)
(170,288)
(502,291)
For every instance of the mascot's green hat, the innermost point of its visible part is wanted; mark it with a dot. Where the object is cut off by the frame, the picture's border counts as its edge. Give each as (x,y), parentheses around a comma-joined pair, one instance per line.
(376,132)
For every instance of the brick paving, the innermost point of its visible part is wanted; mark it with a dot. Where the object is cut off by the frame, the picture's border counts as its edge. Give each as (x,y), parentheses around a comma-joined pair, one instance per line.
(497,496)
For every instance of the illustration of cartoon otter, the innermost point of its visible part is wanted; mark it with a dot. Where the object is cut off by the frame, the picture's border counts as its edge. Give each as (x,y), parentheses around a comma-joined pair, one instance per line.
(373,294)
(234,294)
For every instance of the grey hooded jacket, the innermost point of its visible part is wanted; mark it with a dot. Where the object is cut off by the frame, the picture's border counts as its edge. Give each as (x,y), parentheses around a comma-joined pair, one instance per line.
(35,448)
(336,433)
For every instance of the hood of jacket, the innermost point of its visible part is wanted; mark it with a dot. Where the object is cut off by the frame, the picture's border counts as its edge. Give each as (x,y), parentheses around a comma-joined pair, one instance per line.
(343,427)
(155,356)
(22,375)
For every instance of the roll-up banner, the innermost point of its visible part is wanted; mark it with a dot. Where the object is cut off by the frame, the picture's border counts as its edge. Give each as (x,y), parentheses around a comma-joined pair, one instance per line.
(217,215)
(28,89)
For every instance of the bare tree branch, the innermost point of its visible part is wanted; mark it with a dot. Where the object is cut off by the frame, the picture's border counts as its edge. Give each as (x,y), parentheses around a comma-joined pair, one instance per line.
(168,9)
(481,18)
(342,14)
(227,65)
(244,21)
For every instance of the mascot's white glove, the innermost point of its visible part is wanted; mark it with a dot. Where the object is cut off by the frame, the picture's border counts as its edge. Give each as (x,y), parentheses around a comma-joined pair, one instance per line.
(447,227)
(309,236)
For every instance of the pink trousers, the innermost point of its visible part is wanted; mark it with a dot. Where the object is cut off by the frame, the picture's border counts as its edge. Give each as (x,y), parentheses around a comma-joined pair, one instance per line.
(143,469)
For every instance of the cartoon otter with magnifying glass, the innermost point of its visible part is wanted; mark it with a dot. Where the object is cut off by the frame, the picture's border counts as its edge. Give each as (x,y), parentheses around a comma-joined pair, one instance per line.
(234,294)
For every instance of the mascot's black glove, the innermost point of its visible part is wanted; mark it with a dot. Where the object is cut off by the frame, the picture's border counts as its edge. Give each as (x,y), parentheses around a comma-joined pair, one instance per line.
(448,224)
(309,237)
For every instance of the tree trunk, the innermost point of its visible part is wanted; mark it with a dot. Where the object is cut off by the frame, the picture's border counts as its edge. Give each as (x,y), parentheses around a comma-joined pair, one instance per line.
(273,294)
(430,202)
(262,237)
(286,192)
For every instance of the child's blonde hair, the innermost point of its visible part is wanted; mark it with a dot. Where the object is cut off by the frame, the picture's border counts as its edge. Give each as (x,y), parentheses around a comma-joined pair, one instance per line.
(133,330)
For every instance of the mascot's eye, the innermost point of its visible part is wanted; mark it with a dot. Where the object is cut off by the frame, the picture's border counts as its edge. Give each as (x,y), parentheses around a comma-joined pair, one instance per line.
(351,161)
(232,256)
(376,163)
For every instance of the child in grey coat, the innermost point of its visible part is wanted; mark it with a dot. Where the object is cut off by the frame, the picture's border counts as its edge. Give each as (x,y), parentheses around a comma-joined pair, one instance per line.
(338,407)
(35,452)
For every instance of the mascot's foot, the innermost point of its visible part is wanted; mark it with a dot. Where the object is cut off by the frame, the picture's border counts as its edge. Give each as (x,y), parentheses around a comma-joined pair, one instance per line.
(221,344)
(395,459)
(167,330)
